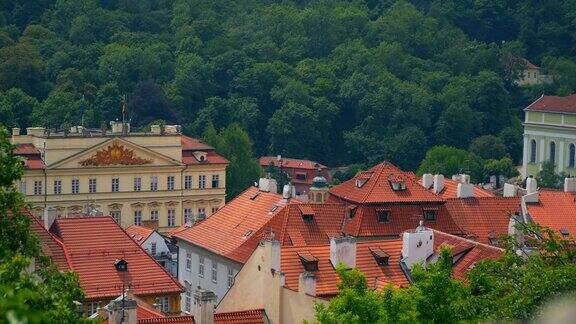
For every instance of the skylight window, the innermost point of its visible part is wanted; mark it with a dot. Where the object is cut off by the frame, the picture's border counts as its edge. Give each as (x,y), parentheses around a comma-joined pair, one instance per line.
(248,233)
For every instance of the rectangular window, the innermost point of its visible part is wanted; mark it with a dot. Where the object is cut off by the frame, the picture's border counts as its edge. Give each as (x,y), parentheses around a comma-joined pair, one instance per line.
(154,215)
(214,276)
(383,216)
(187,182)
(202,213)
(38,187)
(75,186)
(230,280)
(171,217)
(92,185)
(22,188)
(137,184)
(201,267)
(115,184)
(153,183)
(301,176)
(164,304)
(188,261)
(215,181)
(137,217)
(188,297)
(201,181)
(214,209)
(116,215)
(187,215)
(170,183)
(57,187)
(153,248)
(430,215)
(92,307)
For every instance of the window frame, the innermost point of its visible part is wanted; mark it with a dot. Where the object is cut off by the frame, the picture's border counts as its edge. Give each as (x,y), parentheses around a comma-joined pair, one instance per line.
(57,187)
(188,264)
(188,215)
(572,155)
(171,217)
(201,262)
(115,185)
(187,182)
(116,216)
(202,181)
(533,151)
(380,213)
(170,183)
(137,216)
(92,185)
(75,186)
(214,272)
(137,185)
(38,187)
(153,183)
(428,212)
(552,152)
(215,181)
(153,248)
(154,214)
(230,277)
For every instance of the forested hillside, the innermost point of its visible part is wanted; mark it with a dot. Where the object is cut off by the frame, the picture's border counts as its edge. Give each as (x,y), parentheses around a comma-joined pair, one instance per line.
(336,81)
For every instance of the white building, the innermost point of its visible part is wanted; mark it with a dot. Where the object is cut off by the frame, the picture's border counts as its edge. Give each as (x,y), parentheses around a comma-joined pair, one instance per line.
(157,246)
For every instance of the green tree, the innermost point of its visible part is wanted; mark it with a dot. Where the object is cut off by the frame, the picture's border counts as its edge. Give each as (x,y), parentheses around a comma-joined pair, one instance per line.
(503,167)
(234,144)
(16,107)
(547,176)
(448,161)
(22,67)
(44,295)
(488,147)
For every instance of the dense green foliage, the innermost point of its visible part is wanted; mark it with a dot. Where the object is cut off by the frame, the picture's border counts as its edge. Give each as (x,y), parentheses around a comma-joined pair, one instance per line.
(510,289)
(340,82)
(548,178)
(44,295)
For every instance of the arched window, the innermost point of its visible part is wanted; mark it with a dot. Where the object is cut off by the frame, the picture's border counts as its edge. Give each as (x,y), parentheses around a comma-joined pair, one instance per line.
(552,152)
(533,151)
(572,157)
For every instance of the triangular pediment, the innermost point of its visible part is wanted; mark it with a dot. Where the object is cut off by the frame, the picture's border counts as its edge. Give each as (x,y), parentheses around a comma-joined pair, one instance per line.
(115,152)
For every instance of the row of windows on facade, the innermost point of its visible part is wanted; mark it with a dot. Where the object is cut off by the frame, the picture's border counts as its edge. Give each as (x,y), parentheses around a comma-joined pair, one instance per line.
(171,215)
(552,153)
(383,216)
(137,185)
(213,276)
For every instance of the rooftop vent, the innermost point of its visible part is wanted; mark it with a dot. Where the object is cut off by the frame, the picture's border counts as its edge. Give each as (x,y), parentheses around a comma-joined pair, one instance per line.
(121,265)
(247,234)
(254,196)
(380,256)
(564,231)
(309,262)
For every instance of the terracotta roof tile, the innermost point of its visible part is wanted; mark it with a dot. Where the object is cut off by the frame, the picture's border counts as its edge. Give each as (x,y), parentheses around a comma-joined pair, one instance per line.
(95,243)
(180,319)
(26,149)
(139,233)
(290,163)
(377,187)
(189,143)
(566,104)
(253,316)
(483,219)
(556,210)
(51,246)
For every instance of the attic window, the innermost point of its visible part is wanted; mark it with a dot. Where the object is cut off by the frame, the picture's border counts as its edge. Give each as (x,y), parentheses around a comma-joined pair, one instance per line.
(430,214)
(248,233)
(273,209)
(253,197)
(301,176)
(308,218)
(121,265)
(565,232)
(309,262)
(380,256)
(383,215)
(360,183)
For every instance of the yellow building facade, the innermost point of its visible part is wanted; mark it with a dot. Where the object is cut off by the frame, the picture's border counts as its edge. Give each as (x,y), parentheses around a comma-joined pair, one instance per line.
(159,178)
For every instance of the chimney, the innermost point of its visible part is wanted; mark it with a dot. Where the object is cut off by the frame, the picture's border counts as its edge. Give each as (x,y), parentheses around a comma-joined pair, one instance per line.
(50,215)
(427,180)
(417,246)
(15,131)
(465,190)
(569,184)
(343,250)
(124,311)
(155,129)
(268,185)
(510,190)
(307,283)
(438,183)
(35,131)
(289,191)
(203,308)
(531,185)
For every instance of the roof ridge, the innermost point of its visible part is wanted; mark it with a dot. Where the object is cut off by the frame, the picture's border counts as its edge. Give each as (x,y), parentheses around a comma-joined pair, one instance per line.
(467,240)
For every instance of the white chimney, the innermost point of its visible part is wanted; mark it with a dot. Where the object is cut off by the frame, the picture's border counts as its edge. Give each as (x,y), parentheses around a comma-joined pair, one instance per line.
(123,312)
(465,190)
(343,250)
(203,309)
(15,131)
(510,190)
(35,131)
(50,215)
(268,185)
(531,185)
(569,184)
(427,180)
(307,283)
(465,178)
(289,191)
(155,129)
(438,183)
(417,246)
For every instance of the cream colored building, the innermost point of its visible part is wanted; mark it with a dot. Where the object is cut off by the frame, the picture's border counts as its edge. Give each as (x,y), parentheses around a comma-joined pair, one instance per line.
(550,134)
(161,178)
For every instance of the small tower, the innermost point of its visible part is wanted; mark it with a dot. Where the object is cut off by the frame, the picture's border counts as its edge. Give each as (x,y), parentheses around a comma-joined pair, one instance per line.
(319,190)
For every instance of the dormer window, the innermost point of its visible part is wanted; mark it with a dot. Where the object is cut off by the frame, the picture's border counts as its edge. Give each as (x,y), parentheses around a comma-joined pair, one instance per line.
(381,257)
(362,178)
(383,215)
(430,214)
(121,265)
(307,213)
(398,185)
(308,218)
(200,156)
(301,176)
(360,183)
(565,232)
(309,262)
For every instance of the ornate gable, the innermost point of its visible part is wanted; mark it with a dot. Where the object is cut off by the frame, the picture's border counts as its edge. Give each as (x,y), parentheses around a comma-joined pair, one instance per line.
(115,154)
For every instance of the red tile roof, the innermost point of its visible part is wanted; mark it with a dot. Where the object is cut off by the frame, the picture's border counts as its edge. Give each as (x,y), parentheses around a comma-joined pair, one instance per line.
(189,143)
(211,158)
(228,232)
(180,319)
(377,187)
(290,163)
(557,104)
(556,210)
(451,186)
(253,316)
(94,244)
(50,246)
(483,219)
(530,65)
(34,164)
(364,222)
(26,149)
(139,233)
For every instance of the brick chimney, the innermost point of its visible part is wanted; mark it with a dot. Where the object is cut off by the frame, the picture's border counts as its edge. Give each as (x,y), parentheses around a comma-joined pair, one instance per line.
(417,246)
(343,250)
(203,308)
